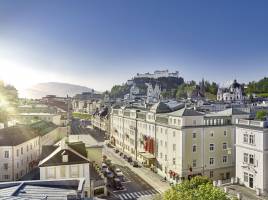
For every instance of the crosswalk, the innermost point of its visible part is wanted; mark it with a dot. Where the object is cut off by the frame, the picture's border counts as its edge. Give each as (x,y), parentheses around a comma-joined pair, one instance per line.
(136,195)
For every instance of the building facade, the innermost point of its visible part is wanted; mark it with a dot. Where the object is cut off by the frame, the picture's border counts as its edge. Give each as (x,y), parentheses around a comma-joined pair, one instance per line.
(158,74)
(233,93)
(177,144)
(19,151)
(252,154)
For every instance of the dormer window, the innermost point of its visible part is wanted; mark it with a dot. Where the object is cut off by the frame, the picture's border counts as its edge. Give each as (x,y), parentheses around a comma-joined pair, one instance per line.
(64,157)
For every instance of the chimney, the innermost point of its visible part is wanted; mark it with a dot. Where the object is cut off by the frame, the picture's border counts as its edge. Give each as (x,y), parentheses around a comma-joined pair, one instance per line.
(64,156)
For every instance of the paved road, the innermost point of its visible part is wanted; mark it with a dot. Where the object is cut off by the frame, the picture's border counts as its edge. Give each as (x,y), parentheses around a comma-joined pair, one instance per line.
(76,129)
(135,186)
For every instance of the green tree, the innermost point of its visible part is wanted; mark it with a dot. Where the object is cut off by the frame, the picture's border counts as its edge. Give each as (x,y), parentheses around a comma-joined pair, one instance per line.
(198,188)
(261,114)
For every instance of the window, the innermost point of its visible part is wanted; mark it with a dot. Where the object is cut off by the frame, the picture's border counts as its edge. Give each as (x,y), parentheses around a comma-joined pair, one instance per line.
(245,157)
(194,122)
(211,147)
(211,161)
(174,161)
(161,143)
(174,133)
(194,163)
(211,174)
(251,159)
(18,152)
(18,164)
(174,121)
(194,135)
(5,166)
(251,139)
(245,138)
(194,148)
(225,133)
(21,150)
(74,171)
(174,147)
(224,159)
(6,177)
(27,148)
(161,155)
(165,157)
(245,177)
(224,146)
(211,134)
(166,144)
(6,154)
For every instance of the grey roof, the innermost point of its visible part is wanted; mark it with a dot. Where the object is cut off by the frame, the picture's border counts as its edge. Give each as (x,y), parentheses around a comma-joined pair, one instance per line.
(185,112)
(76,155)
(160,107)
(227,112)
(37,190)
(16,135)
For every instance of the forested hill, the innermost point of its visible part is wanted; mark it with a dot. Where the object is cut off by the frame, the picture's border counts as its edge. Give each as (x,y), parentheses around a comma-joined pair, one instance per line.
(260,87)
(165,83)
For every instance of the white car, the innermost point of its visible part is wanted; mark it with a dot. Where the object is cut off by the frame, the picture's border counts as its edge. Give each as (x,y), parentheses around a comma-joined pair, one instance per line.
(119,172)
(104,167)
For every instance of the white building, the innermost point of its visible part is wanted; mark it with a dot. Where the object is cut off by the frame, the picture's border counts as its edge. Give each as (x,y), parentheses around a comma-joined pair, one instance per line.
(20,147)
(252,154)
(69,161)
(19,151)
(233,93)
(158,74)
(177,144)
(153,94)
(28,118)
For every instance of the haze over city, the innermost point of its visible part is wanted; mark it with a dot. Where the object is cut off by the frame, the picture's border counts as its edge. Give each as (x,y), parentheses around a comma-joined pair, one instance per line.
(102,43)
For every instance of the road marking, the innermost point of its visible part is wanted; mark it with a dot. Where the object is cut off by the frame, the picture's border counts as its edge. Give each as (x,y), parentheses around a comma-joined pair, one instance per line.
(131,194)
(125,197)
(128,195)
(135,193)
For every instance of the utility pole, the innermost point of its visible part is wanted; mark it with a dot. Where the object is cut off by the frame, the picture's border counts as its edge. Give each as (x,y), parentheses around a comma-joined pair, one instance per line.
(68,118)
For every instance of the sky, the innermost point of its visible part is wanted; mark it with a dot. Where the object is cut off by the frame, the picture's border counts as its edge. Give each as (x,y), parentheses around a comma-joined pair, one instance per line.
(100,43)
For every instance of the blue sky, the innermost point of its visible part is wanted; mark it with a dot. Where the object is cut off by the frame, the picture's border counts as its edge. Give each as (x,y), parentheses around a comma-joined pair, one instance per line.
(101,43)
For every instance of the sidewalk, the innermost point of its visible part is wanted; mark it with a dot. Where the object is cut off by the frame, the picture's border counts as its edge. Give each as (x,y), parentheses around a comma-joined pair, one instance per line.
(152,179)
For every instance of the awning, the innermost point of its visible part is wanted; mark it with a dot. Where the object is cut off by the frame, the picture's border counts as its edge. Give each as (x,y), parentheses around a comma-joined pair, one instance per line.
(147,155)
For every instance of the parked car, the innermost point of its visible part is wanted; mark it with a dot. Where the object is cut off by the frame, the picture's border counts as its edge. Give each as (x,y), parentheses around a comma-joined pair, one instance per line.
(118,172)
(116,150)
(129,159)
(135,164)
(121,154)
(104,167)
(125,157)
(117,184)
(109,174)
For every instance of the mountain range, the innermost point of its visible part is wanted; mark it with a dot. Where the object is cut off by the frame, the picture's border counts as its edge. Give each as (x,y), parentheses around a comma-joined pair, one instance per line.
(40,90)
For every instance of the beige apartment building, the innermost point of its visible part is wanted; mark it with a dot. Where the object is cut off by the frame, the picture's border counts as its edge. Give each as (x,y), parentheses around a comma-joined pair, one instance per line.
(177,144)
(20,147)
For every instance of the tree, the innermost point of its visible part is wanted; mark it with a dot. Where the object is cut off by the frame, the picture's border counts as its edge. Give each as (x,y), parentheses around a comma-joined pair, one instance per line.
(260,115)
(8,101)
(198,188)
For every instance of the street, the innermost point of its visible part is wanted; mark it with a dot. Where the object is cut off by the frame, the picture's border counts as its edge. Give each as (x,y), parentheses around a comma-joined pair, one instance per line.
(134,185)
(77,129)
